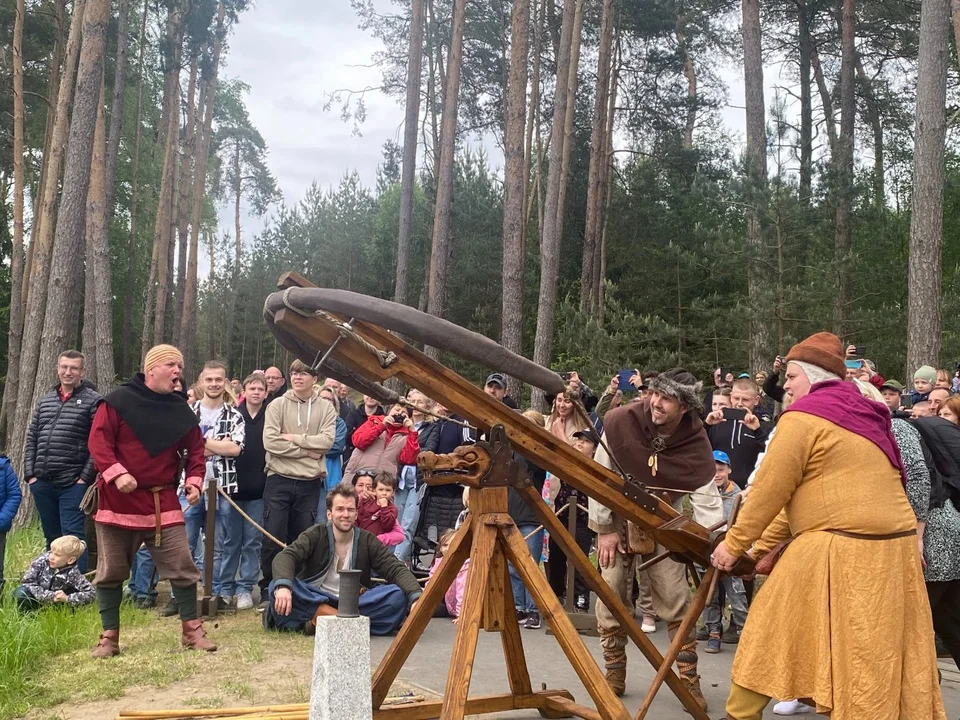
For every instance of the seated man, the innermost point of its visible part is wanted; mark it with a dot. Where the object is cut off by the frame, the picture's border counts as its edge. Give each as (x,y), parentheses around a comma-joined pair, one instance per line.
(306,574)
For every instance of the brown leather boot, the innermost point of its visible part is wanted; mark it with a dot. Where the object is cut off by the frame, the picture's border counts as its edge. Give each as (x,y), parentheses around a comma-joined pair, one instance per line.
(108,645)
(693,685)
(617,680)
(195,637)
(323,610)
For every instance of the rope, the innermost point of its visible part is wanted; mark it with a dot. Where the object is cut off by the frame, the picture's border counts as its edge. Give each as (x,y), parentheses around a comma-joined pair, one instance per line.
(247,517)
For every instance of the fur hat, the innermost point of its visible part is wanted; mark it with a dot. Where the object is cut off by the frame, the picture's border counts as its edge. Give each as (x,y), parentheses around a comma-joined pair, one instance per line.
(159,354)
(680,384)
(823,350)
(925,372)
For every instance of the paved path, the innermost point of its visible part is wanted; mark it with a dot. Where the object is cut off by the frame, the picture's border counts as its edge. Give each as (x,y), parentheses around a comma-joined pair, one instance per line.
(429,662)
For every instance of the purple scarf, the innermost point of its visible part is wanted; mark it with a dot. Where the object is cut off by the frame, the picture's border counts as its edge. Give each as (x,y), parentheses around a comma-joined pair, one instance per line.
(842,404)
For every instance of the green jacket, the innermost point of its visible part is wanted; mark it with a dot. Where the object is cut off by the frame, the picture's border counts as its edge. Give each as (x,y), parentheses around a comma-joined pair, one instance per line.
(309,556)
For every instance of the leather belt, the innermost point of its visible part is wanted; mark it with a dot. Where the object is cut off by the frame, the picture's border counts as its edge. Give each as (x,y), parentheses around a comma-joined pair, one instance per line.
(861,536)
(156,509)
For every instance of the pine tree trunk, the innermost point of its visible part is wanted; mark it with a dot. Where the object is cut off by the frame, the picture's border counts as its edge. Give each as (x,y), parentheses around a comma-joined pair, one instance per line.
(690,74)
(208,93)
(843,170)
(442,241)
(598,162)
(761,342)
(515,180)
(826,99)
(184,205)
(96,232)
(955,20)
(53,85)
(924,305)
(212,314)
(553,205)
(116,109)
(127,361)
(874,117)
(411,122)
(15,332)
(98,259)
(238,253)
(600,264)
(38,283)
(806,105)
(61,314)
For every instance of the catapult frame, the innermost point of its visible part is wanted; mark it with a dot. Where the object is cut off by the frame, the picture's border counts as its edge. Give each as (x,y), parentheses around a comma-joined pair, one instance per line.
(348,336)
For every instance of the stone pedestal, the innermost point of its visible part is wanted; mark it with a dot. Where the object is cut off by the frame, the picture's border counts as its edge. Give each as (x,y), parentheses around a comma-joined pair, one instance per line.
(341,670)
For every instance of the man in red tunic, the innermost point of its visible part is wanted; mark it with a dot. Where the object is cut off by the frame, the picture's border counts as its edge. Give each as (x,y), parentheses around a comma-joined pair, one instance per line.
(141,434)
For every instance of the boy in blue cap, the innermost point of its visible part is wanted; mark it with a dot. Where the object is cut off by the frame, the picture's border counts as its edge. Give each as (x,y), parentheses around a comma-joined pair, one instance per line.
(729,589)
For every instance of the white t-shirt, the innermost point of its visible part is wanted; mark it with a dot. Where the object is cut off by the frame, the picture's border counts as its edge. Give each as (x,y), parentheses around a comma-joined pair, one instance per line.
(330,583)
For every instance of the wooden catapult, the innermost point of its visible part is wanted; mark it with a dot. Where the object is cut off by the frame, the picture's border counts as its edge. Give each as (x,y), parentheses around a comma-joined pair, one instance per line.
(357,340)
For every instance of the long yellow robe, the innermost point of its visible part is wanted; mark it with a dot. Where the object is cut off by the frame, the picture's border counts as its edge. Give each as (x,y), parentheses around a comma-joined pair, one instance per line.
(843,621)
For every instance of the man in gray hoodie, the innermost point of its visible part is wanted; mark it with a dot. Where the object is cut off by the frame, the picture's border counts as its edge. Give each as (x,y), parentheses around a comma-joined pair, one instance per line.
(298,429)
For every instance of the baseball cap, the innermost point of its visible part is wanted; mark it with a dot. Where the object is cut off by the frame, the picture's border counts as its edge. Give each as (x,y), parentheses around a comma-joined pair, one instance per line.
(893,385)
(588,434)
(721,457)
(497,379)
(742,376)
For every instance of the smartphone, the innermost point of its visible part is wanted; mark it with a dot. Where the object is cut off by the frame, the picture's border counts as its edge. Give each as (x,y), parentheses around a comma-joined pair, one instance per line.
(734,414)
(860,350)
(853,364)
(623,379)
(565,376)
(906,401)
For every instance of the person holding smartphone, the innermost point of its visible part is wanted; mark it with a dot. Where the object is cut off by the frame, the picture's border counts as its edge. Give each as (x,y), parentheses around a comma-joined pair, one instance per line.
(737,431)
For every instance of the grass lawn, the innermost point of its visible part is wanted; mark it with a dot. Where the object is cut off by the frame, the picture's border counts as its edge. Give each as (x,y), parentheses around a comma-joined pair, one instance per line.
(45,658)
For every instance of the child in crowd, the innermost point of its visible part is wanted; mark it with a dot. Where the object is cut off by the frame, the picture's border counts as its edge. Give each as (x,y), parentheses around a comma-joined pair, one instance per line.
(10,497)
(924,380)
(376,512)
(55,578)
(729,589)
(453,598)
(741,439)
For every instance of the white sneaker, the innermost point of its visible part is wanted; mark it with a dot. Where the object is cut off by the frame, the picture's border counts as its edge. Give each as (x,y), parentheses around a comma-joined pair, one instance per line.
(244,601)
(791,707)
(649,624)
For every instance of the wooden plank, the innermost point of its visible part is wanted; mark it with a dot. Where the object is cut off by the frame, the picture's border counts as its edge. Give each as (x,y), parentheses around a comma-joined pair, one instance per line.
(609,598)
(562,707)
(498,590)
(422,612)
(700,599)
(516,662)
(479,705)
(608,704)
(468,624)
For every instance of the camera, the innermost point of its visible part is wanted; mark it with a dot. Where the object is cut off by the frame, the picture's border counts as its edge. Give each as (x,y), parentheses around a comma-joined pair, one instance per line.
(398,418)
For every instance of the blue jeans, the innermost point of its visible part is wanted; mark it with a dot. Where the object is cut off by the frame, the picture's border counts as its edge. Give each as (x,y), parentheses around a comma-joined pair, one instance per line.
(195,518)
(240,548)
(385,605)
(408,515)
(60,512)
(522,599)
(733,590)
(143,581)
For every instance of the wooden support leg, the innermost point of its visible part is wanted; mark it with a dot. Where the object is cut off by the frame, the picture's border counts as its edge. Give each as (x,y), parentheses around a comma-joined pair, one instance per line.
(608,704)
(611,600)
(468,627)
(700,599)
(415,624)
(517,673)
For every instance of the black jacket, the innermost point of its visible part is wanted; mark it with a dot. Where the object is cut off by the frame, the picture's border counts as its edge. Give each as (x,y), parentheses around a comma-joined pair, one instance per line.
(57,438)
(309,556)
(251,463)
(741,444)
(517,507)
(772,387)
(941,443)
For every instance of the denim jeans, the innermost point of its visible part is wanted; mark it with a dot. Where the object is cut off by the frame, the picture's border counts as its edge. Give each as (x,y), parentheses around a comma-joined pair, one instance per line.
(385,605)
(143,581)
(240,548)
(522,599)
(60,513)
(195,518)
(408,514)
(732,588)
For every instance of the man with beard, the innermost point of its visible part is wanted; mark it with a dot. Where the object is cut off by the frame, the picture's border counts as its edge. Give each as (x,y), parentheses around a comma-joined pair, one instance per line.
(306,574)
(139,434)
(660,440)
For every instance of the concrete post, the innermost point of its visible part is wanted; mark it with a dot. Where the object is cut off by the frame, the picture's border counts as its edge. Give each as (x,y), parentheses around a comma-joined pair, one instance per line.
(341,670)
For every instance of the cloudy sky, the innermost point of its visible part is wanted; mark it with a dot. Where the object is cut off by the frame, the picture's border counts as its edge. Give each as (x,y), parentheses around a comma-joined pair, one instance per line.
(293,54)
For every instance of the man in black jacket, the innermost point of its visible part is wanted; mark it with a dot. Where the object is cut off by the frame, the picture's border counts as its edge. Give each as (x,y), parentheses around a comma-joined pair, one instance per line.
(57,463)
(306,574)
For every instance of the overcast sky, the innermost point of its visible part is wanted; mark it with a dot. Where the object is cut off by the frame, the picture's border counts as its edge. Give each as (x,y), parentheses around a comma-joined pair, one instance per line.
(293,53)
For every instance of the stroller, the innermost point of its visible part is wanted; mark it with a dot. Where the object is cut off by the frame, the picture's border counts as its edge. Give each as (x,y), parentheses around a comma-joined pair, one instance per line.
(439,507)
